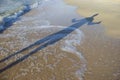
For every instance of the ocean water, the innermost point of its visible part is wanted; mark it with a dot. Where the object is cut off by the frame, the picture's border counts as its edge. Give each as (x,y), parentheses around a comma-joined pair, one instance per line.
(17,4)
(15,9)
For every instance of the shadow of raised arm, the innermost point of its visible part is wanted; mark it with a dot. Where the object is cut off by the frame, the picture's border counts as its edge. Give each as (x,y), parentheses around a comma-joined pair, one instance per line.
(91,19)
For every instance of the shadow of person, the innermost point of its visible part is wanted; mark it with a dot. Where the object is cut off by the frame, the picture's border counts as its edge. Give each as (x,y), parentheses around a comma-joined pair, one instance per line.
(46,41)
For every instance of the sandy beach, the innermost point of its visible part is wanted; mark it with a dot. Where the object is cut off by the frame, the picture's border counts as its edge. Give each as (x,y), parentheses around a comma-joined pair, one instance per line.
(60,49)
(108,11)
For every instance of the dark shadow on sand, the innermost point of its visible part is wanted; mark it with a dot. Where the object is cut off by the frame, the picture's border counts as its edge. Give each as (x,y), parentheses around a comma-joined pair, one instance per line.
(48,40)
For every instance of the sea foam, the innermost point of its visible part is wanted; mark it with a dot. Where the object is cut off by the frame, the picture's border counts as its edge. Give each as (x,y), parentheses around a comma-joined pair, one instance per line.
(70,45)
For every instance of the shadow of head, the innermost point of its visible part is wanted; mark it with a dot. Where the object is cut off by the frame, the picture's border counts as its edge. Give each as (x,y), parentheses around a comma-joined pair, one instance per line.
(89,20)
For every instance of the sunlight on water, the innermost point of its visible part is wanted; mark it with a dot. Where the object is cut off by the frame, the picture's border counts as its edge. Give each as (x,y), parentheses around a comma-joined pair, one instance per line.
(109,13)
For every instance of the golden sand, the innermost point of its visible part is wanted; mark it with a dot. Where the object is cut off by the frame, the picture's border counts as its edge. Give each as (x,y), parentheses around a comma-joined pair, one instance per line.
(109,13)
(102,54)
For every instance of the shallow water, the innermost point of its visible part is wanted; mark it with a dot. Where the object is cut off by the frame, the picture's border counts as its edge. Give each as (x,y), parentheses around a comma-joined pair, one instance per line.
(49,63)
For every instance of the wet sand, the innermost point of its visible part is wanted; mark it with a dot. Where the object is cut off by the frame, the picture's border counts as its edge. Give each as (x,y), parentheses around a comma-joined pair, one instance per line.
(50,63)
(102,54)
(60,61)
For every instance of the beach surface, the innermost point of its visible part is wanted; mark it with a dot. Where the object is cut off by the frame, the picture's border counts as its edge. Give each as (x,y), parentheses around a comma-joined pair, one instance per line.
(58,47)
(108,11)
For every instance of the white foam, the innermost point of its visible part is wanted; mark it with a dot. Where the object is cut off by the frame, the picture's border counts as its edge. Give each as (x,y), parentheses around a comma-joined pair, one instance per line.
(70,44)
(36,4)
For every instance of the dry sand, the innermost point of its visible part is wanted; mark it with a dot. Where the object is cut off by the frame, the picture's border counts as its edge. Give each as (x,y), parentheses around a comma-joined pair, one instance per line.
(109,13)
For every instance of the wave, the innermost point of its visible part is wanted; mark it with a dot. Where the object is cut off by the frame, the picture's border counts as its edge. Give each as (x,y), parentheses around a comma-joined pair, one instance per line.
(10,16)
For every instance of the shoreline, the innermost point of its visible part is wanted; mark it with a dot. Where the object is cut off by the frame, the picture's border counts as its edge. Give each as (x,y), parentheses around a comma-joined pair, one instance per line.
(59,61)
